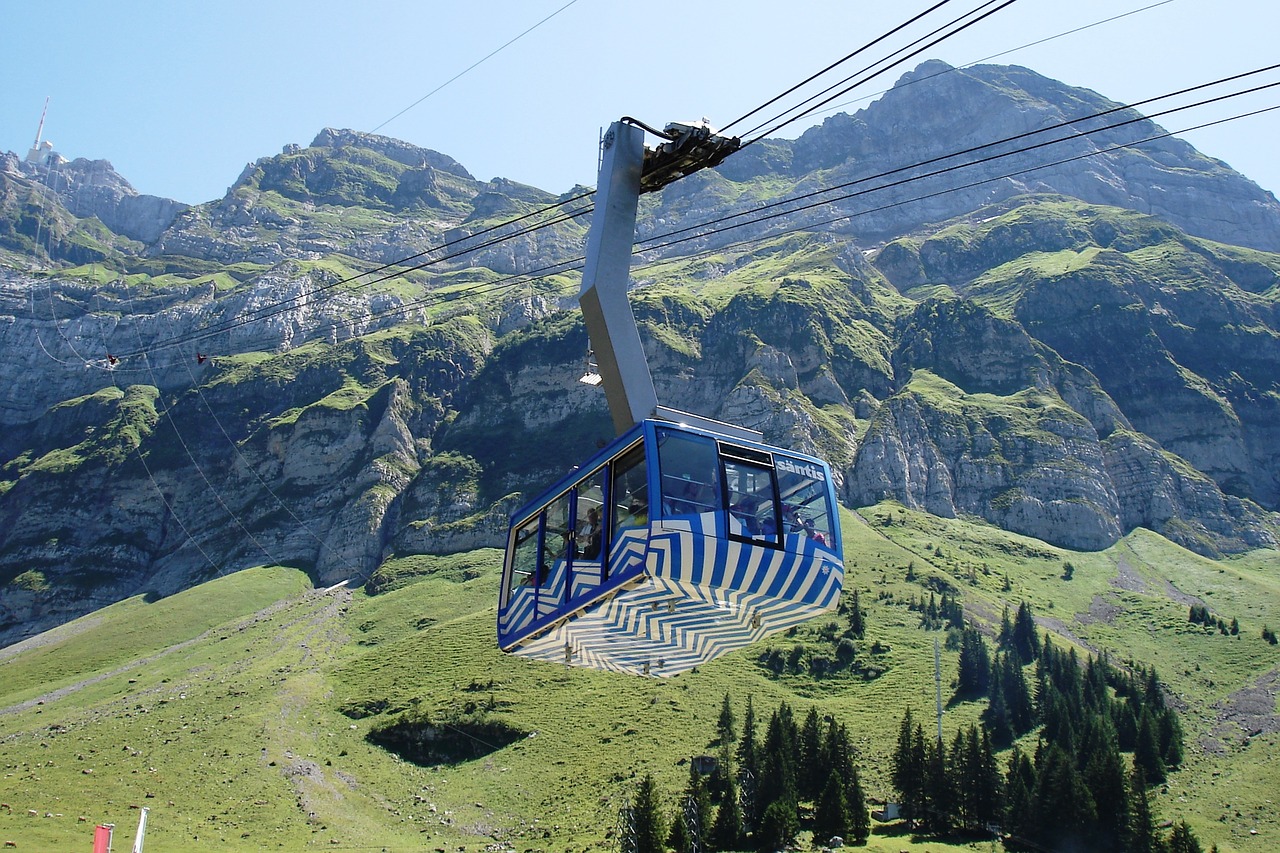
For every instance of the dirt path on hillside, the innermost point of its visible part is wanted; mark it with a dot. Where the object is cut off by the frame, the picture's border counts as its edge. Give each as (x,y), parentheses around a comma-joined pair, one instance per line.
(62,692)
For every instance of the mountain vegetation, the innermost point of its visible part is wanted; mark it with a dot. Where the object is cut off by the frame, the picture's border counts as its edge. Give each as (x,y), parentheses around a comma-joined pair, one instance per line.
(256,455)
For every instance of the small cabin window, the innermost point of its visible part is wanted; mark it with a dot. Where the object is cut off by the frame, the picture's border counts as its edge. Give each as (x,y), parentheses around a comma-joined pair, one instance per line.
(805,507)
(751,500)
(690,474)
(524,557)
(630,492)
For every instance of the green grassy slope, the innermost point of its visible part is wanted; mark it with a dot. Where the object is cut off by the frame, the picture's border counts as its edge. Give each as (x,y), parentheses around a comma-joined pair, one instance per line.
(231,726)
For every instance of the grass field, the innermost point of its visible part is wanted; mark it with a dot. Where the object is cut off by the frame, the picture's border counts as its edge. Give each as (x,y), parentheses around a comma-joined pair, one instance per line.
(238,711)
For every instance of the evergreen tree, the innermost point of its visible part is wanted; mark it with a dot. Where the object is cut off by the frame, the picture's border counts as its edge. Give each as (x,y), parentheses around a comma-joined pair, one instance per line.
(697,811)
(726,829)
(1142,837)
(831,816)
(812,775)
(908,767)
(1065,814)
(1026,637)
(975,665)
(1005,639)
(1170,738)
(718,785)
(779,826)
(1146,750)
(940,795)
(1126,723)
(837,750)
(856,807)
(857,620)
(1104,776)
(1017,695)
(648,832)
(1183,840)
(960,772)
(1020,785)
(975,779)
(679,838)
(995,718)
(725,725)
(777,779)
(988,800)
(748,759)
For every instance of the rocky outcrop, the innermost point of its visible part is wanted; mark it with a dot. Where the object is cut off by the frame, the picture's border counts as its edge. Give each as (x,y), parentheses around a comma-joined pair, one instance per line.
(984,428)
(93,188)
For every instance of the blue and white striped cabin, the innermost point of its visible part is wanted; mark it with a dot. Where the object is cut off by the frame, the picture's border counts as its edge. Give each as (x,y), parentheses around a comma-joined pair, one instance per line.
(668,548)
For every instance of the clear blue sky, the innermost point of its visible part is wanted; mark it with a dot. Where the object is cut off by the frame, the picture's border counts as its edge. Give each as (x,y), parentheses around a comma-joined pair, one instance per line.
(179,96)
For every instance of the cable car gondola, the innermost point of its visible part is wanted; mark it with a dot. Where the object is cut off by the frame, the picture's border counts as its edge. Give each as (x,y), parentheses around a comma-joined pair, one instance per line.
(684,538)
(670,547)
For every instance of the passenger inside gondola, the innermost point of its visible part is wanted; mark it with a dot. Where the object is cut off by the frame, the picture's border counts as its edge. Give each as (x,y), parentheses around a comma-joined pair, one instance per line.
(589,535)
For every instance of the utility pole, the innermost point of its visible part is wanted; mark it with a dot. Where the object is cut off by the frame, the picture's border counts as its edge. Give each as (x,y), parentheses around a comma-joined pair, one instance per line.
(937,683)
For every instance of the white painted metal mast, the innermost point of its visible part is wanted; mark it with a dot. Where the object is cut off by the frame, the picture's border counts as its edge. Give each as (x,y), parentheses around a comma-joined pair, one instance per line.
(142,831)
(35,154)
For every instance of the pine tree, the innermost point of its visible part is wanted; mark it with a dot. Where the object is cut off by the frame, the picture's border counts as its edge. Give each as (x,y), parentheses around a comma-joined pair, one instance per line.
(696,812)
(777,779)
(779,826)
(748,757)
(1142,837)
(679,838)
(857,621)
(1183,840)
(1017,695)
(940,795)
(908,768)
(1019,786)
(995,718)
(1104,775)
(1004,640)
(988,801)
(812,775)
(831,817)
(1170,737)
(856,806)
(647,827)
(1146,750)
(726,829)
(724,726)
(975,665)
(960,776)
(1026,637)
(1065,814)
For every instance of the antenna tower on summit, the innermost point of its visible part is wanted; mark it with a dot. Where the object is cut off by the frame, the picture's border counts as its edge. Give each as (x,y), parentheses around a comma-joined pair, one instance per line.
(41,153)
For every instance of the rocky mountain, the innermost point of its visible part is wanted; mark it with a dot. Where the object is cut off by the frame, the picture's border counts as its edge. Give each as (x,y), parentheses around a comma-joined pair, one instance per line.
(338,363)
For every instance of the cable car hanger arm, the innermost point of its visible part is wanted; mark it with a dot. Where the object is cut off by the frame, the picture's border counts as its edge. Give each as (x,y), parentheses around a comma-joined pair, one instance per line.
(628,169)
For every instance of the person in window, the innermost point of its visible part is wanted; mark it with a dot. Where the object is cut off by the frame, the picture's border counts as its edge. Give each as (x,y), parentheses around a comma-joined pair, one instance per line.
(745,513)
(590,534)
(637,514)
(813,533)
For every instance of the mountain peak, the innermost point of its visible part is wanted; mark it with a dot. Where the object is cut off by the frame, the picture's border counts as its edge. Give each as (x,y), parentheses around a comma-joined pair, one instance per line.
(393,149)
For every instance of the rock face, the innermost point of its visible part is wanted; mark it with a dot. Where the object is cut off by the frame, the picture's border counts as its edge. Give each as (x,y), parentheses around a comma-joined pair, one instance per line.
(1062,352)
(92,188)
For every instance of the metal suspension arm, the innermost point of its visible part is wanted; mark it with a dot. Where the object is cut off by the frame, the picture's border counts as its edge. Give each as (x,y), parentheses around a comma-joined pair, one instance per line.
(628,169)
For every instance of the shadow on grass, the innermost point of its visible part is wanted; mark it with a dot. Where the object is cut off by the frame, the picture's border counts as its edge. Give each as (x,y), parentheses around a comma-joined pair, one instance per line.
(418,739)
